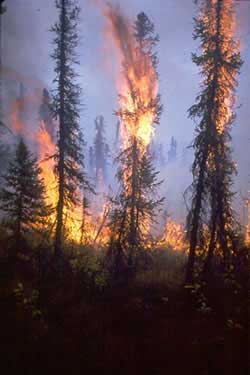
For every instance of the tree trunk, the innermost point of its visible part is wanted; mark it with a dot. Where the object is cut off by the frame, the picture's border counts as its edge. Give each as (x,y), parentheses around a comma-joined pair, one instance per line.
(60,205)
(195,221)
(133,229)
(212,242)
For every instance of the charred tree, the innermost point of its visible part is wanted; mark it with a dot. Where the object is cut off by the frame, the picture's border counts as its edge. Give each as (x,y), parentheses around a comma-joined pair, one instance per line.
(213,167)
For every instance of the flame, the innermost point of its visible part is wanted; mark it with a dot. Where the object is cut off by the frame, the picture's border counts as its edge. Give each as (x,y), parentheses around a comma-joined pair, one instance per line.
(174,236)
(225,97)
(139,107)
(46,148)
(21,121)
(40,139)
(137,83)
(94,230)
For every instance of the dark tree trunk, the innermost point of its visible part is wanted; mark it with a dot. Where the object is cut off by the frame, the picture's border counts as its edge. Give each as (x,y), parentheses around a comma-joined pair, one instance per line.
(195,221)
(60,205)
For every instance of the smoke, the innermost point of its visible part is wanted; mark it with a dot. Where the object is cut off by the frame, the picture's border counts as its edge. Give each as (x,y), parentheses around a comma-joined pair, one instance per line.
(27,44)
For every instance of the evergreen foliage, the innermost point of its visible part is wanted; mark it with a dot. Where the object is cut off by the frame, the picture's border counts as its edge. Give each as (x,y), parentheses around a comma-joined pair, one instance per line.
(66,105)
(23,195)
(211,211)
(136,204)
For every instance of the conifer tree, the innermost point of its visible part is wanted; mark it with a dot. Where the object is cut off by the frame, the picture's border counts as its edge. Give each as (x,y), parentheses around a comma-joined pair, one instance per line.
(66,102)
(137,202)
(46,114)
(213,167)
(100,151)
(23,196)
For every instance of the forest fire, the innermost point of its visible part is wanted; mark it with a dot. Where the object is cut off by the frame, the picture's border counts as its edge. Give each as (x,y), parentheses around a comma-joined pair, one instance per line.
(138,81)
(124,229)
(139,111)
(95,231)
(225,98)
(174,236)
(46,148)
(80,227)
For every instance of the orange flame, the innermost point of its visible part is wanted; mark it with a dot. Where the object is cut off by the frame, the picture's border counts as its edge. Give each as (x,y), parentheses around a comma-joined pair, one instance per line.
(22,110)
(225,97)
(94,230)
(174,236)
(46,148)
(137,83)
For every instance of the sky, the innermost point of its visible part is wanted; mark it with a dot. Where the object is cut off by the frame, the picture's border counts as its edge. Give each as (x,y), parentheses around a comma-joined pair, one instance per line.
(27,44)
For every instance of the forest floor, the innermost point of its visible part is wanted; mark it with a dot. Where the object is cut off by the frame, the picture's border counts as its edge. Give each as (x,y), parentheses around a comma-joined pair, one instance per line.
(123,330)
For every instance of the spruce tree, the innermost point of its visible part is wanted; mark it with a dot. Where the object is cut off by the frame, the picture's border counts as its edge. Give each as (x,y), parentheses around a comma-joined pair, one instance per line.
(213,167)
(23,196)
(135,206)
(100,151)
(66,101)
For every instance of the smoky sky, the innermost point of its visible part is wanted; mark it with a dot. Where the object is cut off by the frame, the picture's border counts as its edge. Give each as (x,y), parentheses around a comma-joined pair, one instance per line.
(27,45)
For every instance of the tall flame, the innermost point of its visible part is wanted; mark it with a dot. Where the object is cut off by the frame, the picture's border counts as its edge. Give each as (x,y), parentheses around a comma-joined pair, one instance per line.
(137,83)
(40,139)
(89,230)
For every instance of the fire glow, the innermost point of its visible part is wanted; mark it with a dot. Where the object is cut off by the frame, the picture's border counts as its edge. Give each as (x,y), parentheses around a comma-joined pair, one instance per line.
(137,83)
(225,98)
(174,236)
(41,140)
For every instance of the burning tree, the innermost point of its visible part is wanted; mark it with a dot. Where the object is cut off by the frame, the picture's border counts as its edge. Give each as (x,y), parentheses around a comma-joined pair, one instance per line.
(68,157)
(23,196)
(213,167)
(139,111)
